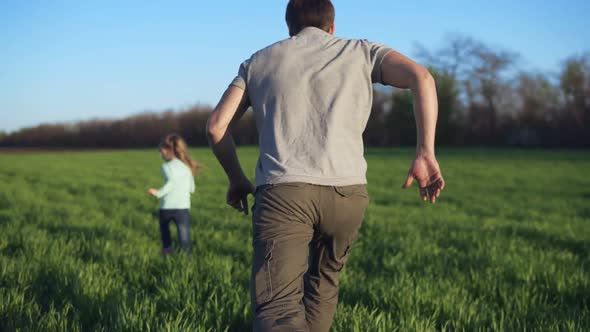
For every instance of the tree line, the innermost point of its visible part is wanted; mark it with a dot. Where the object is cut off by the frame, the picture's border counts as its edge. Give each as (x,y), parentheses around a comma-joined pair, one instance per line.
(483,96)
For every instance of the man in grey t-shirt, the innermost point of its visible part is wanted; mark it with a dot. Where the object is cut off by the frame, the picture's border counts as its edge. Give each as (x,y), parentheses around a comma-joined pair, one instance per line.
(312,95)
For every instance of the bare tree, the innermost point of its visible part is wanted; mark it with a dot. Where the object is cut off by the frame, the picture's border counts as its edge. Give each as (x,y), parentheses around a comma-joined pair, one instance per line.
(481,71)
(575,84)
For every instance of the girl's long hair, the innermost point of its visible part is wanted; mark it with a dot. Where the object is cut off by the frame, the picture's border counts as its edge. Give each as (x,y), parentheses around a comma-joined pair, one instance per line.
(176,144)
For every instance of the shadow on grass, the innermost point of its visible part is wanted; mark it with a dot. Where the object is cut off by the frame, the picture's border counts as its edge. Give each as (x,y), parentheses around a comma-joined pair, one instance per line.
(74,231)
(543,240)
(89,240)
(56,290)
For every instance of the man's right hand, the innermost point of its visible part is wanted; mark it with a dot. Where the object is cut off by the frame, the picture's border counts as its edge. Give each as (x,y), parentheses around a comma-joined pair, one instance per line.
(426,171)
(237,194)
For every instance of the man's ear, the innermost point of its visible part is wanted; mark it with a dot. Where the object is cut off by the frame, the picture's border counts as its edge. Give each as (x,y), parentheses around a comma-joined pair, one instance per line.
(332,29)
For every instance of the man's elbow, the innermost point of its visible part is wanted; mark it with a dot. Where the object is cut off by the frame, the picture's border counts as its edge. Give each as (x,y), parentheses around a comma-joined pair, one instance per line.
(423,78)
(214,130)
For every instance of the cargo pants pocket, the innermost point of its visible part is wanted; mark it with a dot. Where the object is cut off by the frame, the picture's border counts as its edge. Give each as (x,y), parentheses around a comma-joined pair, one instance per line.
(359,190)
(262,269)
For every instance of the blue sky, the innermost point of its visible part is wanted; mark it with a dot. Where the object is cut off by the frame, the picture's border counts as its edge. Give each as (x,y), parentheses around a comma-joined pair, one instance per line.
(75,60)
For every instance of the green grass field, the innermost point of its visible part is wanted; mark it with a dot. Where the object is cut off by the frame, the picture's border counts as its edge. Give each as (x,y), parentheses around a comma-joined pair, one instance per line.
(506,248)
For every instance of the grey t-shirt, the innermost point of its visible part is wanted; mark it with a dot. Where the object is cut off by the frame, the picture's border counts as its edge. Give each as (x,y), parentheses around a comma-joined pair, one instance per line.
(312,95)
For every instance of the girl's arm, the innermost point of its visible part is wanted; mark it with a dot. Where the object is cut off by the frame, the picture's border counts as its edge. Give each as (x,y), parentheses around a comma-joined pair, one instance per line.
(164,190)
(167,187)
(192,188)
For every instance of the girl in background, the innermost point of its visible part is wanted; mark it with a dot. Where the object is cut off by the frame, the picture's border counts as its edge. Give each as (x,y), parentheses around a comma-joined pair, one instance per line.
(178,171)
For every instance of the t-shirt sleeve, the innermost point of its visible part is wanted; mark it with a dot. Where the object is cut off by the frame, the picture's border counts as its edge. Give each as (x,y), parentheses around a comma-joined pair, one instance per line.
(376,54)
(241,79)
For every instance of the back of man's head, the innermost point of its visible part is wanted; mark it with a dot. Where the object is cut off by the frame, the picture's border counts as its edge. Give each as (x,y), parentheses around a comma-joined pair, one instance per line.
(309,13)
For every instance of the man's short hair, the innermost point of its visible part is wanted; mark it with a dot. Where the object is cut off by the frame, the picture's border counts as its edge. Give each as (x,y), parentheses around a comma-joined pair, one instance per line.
(309,13)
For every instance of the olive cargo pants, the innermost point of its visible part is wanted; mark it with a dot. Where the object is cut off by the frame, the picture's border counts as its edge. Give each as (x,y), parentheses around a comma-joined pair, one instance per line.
(302,235)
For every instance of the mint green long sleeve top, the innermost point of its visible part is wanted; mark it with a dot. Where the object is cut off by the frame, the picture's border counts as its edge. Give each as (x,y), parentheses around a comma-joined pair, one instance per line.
(178,187)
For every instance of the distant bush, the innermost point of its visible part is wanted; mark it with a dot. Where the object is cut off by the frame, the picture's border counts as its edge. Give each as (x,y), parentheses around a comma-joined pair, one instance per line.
(142,130)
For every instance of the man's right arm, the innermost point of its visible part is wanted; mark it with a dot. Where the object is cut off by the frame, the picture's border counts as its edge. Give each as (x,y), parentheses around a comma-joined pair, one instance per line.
(399,71)
(231,107)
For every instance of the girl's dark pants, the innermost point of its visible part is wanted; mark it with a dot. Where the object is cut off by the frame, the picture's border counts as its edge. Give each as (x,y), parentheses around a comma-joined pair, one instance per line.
(182,219)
